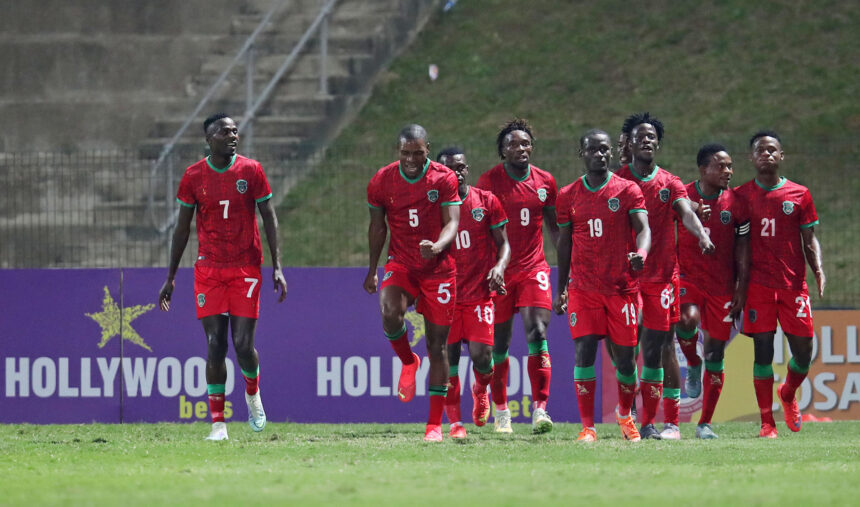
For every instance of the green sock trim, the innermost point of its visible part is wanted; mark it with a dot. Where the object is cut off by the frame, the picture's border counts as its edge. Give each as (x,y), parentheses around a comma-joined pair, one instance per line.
(584,373)
(215,388)
(653,375)
(438,390)
(762,370)
(499,358)
(251,374)
(537,348)
(686,335)
(715,366)
(396,334)
(454,370)
(485,372)
(625,379)
(670,393)
(797,368)
(613,362)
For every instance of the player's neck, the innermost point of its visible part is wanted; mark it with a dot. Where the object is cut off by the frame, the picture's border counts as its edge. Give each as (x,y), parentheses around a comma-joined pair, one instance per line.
(463,190)
(220,161)
(708,190)
(596,178)
(643,168)
(768,178)
(516,170)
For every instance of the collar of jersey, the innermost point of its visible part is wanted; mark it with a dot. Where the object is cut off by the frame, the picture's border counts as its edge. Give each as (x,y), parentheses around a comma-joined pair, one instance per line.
(585,182)
(468,188)
(782,181)
(524,178)
(233,161)
(423,172)
(709,197)
(646,178)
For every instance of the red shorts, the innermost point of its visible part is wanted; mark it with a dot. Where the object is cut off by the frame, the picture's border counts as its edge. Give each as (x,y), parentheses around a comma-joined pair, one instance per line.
(434,294)
(590,313)
(713,310)
(765,306)
(473,322)
(660,305)
(530,289)
(227,290)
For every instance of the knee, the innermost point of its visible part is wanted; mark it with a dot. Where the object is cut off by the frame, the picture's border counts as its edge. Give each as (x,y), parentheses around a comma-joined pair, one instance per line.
(537,332)
(626,368)
(391,312)
(217,349)
(714,355)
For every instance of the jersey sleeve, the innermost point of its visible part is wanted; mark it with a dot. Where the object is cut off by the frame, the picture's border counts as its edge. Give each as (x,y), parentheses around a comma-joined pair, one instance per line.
(262,191)
(742,215)
(185,194)
(449,196)
(552,193)
(374,194)
(808,216)
(677,190)
(636,199)
(562,209)
(498,217)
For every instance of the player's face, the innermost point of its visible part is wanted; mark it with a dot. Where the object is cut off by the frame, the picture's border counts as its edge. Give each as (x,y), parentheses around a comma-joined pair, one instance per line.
(596,153)
(643,142)
(517,148)
(457,163)
(413,156)
(718,173)
(624,155)
(223,138)
(766,153)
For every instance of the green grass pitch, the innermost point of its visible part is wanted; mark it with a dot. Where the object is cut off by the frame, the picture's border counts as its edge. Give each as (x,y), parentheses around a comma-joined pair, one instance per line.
(378,464)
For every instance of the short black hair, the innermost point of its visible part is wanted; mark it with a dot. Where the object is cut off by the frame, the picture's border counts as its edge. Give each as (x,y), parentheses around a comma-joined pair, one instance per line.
(764,133)
(449,152)
(706,151)
(507,128)
(212,119)
(412,132)
(589,133)
(634,120)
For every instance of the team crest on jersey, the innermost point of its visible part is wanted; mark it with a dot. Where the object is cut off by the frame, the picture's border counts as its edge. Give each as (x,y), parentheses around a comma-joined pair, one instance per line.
(725,216)
(242,186)
(478,214)
(753,315)
(664,194)
(542,194)
(387,275)
(572,319)
(201,300)
(432,195)
(682,292)
(787,207)
(614,204)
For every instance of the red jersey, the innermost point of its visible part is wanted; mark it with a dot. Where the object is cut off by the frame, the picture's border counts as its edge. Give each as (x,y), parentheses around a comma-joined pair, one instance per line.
(661,189)
(474,249)
(714,274)
(601,233)
(226,201)
(777,215)
(523,200)
(413,208)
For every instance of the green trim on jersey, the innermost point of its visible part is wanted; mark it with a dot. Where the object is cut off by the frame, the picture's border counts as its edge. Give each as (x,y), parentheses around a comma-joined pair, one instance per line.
(374,207)
(588,187)
(652,374)
(537,348)
(566,224)
(417,178)
(468,189)
(782,181)
(185,203)
(220,171)
(715,366)
(264,198)
(215,388)
(671,393)
(584,373)
(679,199)
(810,224)
(524,178)
(452,203)
(762,371)
(503,222)
(708,197)
(686,335)
(645,178)
(637,210)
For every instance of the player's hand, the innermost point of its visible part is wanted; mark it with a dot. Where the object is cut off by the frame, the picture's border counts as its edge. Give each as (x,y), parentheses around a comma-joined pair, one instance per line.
(821,281)
(280,283)
(737,306)
(496,277)
(164,295)
(706,245)
(428,249)
(637,262)
(371,282)
(703,211)
(559,305)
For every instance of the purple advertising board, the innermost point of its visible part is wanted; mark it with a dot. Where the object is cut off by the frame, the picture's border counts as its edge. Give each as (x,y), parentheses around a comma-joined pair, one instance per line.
(83,346)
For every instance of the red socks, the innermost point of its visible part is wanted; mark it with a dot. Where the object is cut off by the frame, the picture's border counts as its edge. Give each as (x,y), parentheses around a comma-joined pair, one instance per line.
(712,387)
(499,384)
(252,384)
(626,395)
(437,404)
(792,382)
(671,410)
(540,373)
(688,347)
(652,392)
(764,398)
(216,407)
(452,400)
(482,380)
(402,349)
(585,400)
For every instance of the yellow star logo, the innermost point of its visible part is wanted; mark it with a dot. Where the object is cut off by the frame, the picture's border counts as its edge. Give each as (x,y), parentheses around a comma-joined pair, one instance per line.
(113,320)
(417,322)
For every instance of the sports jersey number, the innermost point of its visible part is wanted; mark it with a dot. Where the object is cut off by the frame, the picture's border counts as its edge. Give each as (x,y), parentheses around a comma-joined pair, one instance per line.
(443,289)
(595,227)
(226,205)
(413,217)
(629,311)
(524,216)
(727,318)
(768,227)
(462,240)
(667,297)
(543,280)
(487,312)
(803,305)
(253,282)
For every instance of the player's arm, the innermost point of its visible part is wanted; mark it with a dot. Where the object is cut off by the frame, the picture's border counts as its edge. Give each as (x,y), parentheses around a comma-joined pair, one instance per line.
(177,248)
(563,247)
(376,234)
(496,276)
(270,225)
(450,222)
(742,269)
(692,223)
(551,221)
(639,222)
(812,251)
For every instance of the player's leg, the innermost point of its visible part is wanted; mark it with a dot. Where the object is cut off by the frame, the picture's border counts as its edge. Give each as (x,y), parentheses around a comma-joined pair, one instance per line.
(437,338)
(536,321)
(215,327)
(482,367)
(713,383)
(652,344)
(795,317)
(244,330)
(452,399)
(760,320)
(585,383)
(502,334)
(687,331)
(671,392)
(625,374)
(394,300)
